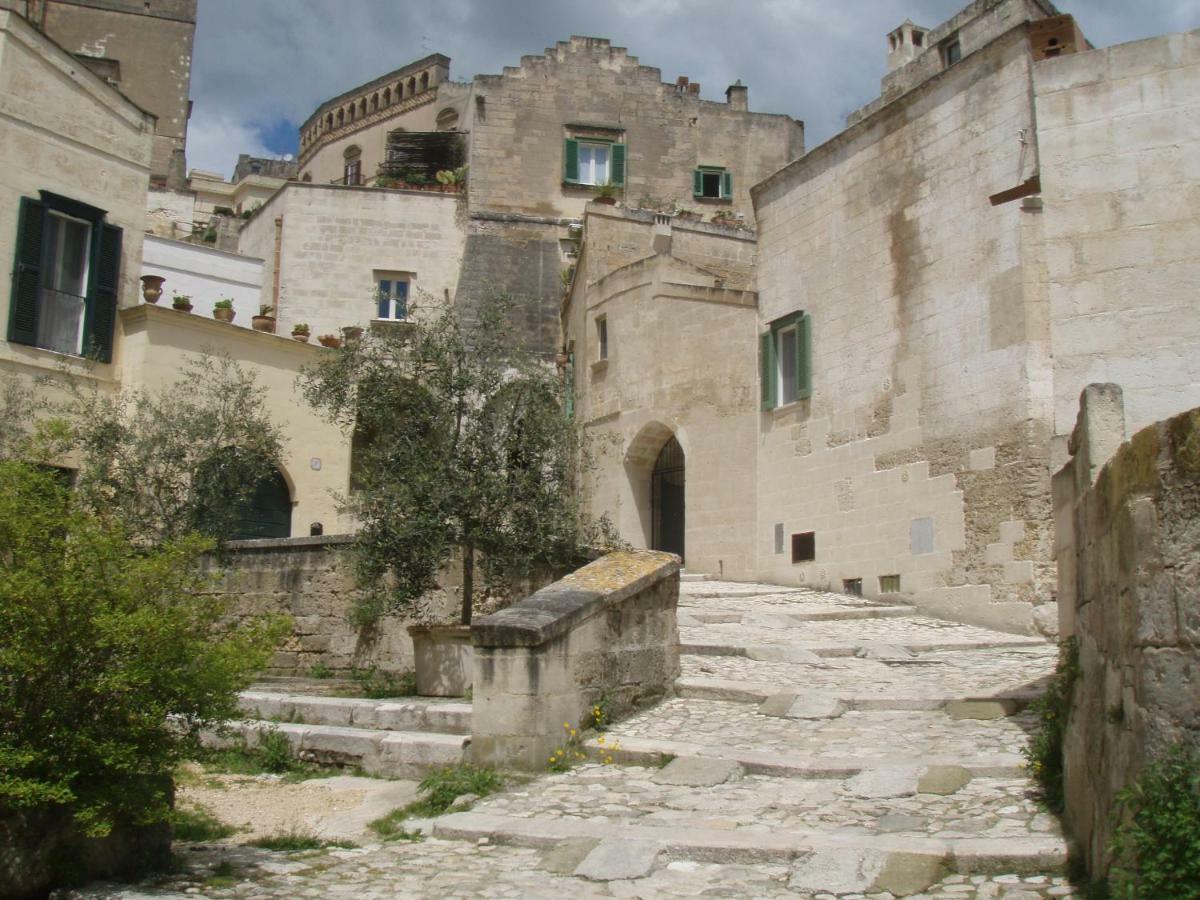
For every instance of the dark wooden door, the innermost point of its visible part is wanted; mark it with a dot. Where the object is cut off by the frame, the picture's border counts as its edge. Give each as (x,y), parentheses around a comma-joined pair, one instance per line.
(667,499)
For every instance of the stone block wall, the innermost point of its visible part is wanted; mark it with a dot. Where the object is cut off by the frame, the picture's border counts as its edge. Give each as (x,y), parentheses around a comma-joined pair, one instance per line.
(604,633)
(312,580)
(1132,531)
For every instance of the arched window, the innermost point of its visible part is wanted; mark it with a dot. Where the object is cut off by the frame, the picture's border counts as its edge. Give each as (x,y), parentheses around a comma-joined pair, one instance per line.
(387,96)
(412,86)
(263,511)
(375,101)
(307,178)
(424,81)
(447,119)
(341,118)
(329,122)
(352,169)
(268,512)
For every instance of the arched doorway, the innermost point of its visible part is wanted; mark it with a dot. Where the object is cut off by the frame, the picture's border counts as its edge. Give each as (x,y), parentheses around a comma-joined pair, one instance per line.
(667,499)
(268,513)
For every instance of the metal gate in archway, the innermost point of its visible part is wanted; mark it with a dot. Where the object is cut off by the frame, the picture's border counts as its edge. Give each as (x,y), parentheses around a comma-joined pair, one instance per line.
(667,499)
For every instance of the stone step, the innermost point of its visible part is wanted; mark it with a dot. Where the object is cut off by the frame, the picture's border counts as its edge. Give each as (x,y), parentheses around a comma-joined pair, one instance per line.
(960,706)
(650,751)
(389,754)
(405,714)
(692,577)
(692,642)
(923,860)
(701,615)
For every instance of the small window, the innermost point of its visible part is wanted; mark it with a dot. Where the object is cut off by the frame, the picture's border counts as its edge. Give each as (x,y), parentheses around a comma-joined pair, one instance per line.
(786,361)
(951,51)
(852,586)
(918,38)
(712,183)
(602,338)
(391,291)
(804,547)
(593,162)
(889,584)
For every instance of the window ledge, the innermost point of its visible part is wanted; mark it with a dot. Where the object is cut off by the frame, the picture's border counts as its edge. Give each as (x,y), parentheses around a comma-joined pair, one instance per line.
(600,365)
(794,406)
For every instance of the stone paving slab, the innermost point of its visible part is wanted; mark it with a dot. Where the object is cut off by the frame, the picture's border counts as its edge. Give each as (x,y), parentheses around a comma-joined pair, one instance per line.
(453,869)
(731,726)
(1010,671)
(998,808)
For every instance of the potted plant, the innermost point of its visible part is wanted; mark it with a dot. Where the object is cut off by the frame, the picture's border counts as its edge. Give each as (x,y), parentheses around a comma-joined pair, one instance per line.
(606,194)
(352,333)
(265,320)
(152,287)
(223,310)
(329,340)
(181,302)
(683,214)
(724,217)
(300,332)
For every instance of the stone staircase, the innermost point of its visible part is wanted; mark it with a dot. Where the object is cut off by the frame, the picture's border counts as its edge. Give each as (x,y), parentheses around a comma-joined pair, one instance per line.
(400,738)
(819,746)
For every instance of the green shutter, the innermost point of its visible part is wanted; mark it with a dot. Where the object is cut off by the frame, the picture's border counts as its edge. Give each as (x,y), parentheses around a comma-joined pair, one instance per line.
(100,320)
(698,183)
(804,356)
(571,161)
(767,369)
(23,303)
(618,165)
(727,184)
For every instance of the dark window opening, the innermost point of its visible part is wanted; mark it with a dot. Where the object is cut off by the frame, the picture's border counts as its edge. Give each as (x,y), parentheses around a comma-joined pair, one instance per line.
(918,38)
(889,584)
(952,52)
(852,586)
(602,337)
(804,547)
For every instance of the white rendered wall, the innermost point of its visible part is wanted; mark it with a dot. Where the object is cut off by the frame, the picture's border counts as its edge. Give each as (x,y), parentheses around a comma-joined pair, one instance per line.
(206,275)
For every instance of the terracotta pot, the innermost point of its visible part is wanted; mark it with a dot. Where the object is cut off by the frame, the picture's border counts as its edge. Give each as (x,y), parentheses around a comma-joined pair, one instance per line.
(263,323)
(352,333)
(223,315)
(152,287)
(445,659)
(606,201)
(182,307)
(330,340)
(301,336)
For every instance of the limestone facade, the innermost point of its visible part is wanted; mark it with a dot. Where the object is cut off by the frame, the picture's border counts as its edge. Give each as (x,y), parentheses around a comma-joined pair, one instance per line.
(997,229)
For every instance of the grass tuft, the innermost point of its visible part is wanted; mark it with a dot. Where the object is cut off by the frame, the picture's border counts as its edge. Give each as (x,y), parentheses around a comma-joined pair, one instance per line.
(195,823)
(296,839)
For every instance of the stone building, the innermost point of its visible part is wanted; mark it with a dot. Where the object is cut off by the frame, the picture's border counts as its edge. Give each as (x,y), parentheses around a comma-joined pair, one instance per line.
(141,47)
(929,291)
(538,141)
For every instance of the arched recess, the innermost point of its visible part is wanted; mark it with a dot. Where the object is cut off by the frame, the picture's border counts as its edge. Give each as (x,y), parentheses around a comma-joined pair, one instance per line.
(447,119)
(637,521)
(268,512)
(265,512)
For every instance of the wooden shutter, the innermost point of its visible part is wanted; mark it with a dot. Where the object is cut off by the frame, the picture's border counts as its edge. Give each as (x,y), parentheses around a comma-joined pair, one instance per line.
(100,320)
(726,184)
(27,272)
(617,177)
(804,356)
(698,183)
(766,360)
(571,161)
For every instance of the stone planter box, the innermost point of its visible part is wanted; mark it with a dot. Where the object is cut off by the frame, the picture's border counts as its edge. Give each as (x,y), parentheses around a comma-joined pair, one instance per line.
(445,659)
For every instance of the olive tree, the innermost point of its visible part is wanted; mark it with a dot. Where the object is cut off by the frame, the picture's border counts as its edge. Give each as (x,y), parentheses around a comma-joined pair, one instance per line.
(461,443)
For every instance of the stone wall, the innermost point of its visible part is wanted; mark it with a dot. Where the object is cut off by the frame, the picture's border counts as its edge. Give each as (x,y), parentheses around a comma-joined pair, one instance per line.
(1131,531)
(1119,137)
(923,451)
(335,238)
(604,633)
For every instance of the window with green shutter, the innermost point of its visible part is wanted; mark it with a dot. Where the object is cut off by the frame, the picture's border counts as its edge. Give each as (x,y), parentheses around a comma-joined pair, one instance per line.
(66,278)
(785,360)
(712,183)
(593,162)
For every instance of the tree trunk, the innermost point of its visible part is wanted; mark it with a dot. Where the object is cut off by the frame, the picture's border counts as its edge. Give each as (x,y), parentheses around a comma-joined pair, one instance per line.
(468,582)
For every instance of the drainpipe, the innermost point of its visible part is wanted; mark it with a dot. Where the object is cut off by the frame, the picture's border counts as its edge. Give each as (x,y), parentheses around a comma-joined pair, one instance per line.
(278,256)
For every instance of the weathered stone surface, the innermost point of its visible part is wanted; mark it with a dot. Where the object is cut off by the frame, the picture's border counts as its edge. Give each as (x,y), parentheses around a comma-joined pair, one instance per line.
(840,871)
(879,650)
(898,822)
(980,709)
(815,707)
(879,784)
(908,873)
(943,780)
(777,705)
(565,856)
(698,772)
(615,859)
(775,653)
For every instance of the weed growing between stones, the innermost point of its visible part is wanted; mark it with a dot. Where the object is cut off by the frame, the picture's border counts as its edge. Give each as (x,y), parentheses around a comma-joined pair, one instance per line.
(376,685)
(1156,846)
(1045,750)
(297,839)
(320,670)
(391,827)
(272,757)
(195,823)
(570,752)
(223,875)
(452,786)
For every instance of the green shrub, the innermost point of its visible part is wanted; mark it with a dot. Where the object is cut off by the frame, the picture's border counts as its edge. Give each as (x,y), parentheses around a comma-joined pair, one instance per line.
(443,786)
(276,752)
(391,827)
(112,657)
(1045,750)
(1156,846)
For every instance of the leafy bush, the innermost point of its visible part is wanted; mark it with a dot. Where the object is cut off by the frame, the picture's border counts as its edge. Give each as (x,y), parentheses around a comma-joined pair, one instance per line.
(276,752)
(111,657)
(1156,846)
(1045,750)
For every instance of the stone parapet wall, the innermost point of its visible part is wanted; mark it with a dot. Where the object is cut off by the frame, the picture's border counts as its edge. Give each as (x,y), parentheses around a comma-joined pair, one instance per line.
(1129,563)
(604,634)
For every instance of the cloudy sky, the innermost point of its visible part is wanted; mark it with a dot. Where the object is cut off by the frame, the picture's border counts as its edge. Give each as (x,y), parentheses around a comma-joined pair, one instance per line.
(262,66)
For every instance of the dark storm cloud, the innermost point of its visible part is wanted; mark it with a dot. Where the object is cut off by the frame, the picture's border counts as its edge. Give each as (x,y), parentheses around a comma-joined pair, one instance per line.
(260,62)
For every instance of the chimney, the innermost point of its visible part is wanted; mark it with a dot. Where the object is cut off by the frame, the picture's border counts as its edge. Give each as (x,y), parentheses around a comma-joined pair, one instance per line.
(905,44)
(737,95)
(681,84)
(694,88)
